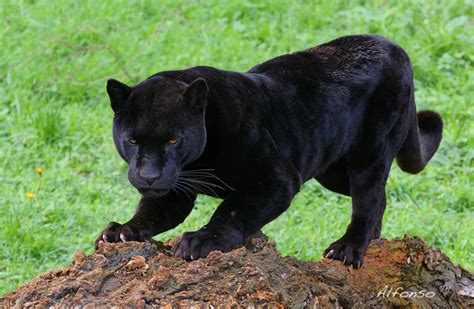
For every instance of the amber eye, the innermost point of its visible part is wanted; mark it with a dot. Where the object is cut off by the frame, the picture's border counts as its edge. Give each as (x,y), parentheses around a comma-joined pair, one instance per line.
(132,141)
(172,141)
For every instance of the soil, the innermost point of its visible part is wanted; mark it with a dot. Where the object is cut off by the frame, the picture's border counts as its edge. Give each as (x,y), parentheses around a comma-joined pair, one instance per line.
(146,275)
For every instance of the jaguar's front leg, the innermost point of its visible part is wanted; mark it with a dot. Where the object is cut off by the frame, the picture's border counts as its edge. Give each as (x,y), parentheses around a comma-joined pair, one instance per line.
(154,215)
(240,215)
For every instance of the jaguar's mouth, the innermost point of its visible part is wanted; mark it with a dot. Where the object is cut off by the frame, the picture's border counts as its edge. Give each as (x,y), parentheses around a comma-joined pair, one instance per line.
(149,192)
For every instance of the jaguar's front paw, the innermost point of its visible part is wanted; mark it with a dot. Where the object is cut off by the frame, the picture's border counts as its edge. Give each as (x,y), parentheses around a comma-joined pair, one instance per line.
(198,244)
(347,251)
(116,232)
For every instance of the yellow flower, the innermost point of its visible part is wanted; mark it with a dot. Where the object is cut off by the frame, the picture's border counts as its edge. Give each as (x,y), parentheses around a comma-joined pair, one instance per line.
(30,195)
(39,170)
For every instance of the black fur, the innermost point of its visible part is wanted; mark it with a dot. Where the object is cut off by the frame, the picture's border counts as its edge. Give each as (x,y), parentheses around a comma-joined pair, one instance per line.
(340,112)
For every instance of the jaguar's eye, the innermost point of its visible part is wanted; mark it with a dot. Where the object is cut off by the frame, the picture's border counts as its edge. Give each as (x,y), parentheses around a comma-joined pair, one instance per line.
(132,141)
(173,141)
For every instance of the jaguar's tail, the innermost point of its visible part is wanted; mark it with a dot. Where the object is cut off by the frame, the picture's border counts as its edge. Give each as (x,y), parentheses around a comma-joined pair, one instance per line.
(421,142)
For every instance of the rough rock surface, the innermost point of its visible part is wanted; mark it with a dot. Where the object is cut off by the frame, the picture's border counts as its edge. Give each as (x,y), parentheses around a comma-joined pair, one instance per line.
(145,275)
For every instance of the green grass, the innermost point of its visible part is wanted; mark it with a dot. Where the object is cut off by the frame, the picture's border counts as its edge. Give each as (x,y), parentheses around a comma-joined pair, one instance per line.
(54,113)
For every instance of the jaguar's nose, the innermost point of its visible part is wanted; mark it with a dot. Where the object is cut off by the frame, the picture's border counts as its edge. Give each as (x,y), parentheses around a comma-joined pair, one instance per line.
(150,180)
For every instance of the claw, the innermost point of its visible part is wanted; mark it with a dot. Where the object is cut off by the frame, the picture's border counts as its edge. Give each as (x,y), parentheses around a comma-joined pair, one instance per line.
(344,261)
(97,244)
(358,265)
(122,237)
(177,253)
(329,254)
(350,268)
(192,257)
(104,237)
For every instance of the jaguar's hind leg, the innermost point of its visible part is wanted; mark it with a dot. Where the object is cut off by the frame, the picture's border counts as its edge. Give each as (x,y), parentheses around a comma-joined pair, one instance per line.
(336,179)
(379,219)
(368,164)
(367,188)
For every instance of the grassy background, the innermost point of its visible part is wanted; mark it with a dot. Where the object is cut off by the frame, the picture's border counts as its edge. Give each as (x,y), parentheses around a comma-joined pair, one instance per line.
(54,113)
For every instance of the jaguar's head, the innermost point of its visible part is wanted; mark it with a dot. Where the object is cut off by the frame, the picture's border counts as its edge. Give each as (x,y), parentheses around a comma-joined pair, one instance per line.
(158,128)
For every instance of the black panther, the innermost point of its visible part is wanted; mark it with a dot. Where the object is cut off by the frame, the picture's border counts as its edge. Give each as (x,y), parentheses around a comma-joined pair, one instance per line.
(340,112)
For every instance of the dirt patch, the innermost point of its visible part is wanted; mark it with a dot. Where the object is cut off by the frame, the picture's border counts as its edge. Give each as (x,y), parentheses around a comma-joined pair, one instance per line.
(147,275)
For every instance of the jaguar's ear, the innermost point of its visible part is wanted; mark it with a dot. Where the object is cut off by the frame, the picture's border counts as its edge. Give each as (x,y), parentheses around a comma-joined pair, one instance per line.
(118,93)
(196,93)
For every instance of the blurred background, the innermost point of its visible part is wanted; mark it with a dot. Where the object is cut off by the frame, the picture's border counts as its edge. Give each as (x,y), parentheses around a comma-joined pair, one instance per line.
(61,180)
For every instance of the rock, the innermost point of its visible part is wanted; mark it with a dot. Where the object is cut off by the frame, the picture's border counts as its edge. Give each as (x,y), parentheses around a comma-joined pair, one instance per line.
(397,273)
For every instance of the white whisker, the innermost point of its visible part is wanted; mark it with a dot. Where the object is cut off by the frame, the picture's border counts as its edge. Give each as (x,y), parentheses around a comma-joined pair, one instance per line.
(197,185)
(179,187)
(204,173)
